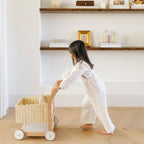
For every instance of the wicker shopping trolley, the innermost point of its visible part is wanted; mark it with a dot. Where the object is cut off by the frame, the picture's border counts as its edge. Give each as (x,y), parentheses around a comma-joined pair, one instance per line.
(38,119)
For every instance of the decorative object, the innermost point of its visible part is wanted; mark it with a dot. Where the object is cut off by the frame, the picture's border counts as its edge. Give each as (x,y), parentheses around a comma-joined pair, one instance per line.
(109,41)
(85,36)
(59,43)
(105,36)
(102,5)
(137,4)
(113,38)
(119,4)
(84,3)
(56,3)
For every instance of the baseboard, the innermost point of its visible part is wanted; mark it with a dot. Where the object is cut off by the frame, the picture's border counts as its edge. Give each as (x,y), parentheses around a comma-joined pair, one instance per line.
(113,108)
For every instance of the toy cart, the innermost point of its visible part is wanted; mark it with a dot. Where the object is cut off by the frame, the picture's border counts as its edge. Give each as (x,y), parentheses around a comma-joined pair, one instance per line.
(38,119)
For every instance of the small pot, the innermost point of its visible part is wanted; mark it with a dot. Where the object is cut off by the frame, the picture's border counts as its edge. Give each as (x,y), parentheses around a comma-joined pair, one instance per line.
(56,3)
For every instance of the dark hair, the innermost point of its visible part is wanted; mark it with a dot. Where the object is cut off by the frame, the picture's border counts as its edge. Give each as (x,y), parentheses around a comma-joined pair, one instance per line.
(79,49)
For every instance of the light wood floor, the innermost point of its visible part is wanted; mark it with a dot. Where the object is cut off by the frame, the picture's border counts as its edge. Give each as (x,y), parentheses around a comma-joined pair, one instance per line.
(129,124)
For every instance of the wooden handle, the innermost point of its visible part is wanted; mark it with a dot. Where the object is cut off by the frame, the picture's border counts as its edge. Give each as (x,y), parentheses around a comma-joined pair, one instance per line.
(50,120)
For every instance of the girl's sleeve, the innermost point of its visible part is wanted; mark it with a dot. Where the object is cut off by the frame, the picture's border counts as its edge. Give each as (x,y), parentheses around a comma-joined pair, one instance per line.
(75,73)
(66,74)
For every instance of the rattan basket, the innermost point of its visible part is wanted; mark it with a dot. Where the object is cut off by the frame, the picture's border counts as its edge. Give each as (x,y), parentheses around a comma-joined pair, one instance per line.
(28,110)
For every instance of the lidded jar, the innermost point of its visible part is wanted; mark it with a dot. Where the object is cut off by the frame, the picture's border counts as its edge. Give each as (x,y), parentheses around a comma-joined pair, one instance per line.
(56,3)
(105,36)
(113,38)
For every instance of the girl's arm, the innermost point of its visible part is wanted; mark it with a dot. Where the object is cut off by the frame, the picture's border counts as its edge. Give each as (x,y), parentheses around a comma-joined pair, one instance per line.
(68,78)
(75,73)
(66,74)
(55,88)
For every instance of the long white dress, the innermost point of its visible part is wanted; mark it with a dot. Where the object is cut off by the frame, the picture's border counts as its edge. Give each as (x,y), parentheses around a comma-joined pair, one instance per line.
(94,103)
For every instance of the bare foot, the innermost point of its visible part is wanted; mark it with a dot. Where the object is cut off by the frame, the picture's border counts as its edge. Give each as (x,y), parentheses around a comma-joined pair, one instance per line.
(103,131)
(87,127)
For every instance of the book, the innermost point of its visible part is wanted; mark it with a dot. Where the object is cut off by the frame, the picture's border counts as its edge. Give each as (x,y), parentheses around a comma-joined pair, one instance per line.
(108,45)
(137,6)
(59,43)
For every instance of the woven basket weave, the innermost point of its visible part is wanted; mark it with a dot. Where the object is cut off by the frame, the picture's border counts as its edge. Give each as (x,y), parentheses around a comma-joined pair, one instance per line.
(28,110)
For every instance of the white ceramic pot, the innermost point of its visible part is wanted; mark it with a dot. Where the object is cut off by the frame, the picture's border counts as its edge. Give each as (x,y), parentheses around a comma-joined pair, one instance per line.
(102,5)
(56,3)
(105,36)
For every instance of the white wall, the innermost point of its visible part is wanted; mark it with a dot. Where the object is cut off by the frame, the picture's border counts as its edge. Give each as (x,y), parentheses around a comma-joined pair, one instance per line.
(3,59)
(122,71)
(23,49)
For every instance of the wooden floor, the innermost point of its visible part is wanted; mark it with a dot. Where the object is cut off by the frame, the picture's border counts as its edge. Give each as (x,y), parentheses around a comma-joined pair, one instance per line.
(129,124)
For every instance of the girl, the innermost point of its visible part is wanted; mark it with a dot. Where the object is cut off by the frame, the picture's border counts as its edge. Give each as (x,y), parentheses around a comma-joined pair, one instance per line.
(95,102)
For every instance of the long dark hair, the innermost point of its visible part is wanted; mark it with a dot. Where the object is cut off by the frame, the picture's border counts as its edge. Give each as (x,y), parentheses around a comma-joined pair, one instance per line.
(79,49)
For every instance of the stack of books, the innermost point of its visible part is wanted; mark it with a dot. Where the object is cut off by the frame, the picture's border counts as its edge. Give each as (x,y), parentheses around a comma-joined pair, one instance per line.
(110,45)
(137,6)
(59,43)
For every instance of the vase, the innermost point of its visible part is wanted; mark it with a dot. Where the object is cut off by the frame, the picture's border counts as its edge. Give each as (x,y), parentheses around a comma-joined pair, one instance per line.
(56,3)
(113,38)
(102,5)
(105,36)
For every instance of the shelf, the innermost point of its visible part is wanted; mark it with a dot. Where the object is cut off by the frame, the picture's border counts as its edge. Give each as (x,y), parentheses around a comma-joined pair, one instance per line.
(65,10)
(51,10)
(95,48)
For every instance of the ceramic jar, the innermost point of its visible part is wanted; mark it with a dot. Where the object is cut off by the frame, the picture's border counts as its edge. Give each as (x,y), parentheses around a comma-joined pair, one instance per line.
(105,36)
(113,38)
(56,3)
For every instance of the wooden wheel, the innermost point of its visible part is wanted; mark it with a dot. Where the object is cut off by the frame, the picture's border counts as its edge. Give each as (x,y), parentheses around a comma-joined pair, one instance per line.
(19,134)
(50,135)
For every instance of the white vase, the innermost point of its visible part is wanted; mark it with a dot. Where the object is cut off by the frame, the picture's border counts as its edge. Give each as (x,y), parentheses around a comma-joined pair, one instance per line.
(102,5)
(56,3)
(105,36)
(113,38)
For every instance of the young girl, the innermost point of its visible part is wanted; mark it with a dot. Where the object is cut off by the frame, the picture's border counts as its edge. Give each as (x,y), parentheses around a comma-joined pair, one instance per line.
(95,102)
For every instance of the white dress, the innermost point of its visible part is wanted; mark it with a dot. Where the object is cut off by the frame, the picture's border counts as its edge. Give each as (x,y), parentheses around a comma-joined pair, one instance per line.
(94,103)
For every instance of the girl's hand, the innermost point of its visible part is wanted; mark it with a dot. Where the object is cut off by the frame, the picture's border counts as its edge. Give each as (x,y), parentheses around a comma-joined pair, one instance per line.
(58,83)
(56,87)
(54,90)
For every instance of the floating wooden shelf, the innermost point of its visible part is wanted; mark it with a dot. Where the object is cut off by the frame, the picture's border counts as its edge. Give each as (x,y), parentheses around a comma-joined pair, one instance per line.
(95,48)
(59,10)
(51,10)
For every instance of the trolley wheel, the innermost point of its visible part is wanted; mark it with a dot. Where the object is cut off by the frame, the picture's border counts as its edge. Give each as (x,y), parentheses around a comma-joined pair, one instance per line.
(50,135)
(19,134)
(56,121)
